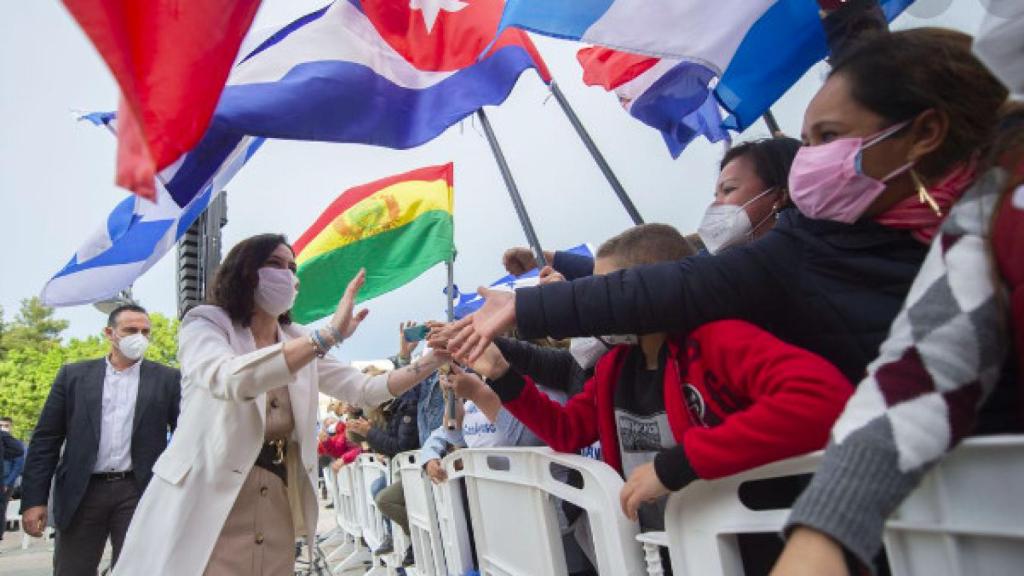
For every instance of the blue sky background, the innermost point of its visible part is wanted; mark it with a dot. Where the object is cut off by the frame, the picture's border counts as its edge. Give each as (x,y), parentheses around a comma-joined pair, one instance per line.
(56,175)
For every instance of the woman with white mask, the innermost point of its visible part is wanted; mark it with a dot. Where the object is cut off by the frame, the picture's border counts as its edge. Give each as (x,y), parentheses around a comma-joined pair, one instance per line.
(751,190)
(236,485)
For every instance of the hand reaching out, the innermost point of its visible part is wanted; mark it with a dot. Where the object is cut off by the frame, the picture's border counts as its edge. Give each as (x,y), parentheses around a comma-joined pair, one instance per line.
(476,331)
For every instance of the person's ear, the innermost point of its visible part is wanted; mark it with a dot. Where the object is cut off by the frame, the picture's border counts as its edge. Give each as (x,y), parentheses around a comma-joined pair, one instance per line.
(927,133)
(109,333)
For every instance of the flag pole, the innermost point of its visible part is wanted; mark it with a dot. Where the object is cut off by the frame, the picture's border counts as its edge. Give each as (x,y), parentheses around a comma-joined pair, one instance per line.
(773,125)
(513,190)
(595,153)
(450,264)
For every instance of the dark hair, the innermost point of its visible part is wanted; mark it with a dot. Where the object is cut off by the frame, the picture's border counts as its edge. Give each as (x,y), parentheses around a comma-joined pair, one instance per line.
(771,158)
(903,74)
(234,286)
(112,318)
(6,419)
(646,244)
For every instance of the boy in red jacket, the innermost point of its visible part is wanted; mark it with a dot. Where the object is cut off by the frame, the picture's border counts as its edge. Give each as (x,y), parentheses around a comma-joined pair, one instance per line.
(725,398)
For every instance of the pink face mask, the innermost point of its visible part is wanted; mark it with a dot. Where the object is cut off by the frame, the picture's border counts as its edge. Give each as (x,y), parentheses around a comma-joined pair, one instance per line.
(826,181)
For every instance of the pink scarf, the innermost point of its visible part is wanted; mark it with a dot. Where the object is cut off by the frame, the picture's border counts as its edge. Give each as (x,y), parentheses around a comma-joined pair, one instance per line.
(918,217)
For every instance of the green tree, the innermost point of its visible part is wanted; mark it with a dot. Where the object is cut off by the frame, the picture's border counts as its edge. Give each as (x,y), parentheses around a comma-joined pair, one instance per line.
(33,327)
(32,354)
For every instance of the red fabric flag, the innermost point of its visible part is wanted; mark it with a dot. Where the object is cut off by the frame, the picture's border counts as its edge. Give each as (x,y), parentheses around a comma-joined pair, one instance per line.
(171,59)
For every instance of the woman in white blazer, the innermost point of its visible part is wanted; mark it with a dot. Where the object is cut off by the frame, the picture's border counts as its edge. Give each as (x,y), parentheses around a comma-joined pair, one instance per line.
(236,485)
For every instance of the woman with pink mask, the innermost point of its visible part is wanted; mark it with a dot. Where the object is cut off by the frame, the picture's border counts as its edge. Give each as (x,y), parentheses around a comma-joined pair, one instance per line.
(890,143)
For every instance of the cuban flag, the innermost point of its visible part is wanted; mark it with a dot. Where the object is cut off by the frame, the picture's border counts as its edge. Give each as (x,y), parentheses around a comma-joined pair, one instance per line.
(466,304)
(371,72)
(756,49)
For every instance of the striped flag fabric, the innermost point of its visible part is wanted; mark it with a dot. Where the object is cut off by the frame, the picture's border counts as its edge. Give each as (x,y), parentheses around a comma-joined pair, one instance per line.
(137,233)
(671,96)
(171,62)
(756,49)
(396,228)
(466,304)
(371,72)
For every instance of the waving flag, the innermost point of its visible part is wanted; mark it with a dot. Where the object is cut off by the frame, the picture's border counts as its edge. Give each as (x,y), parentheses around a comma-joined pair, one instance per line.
(136,235)
(668,95)
(466,304)
(757,48)
(396,228)
(371,72)
(171,63)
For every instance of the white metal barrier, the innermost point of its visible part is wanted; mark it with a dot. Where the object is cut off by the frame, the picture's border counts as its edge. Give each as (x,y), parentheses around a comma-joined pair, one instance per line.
(966,517)
(515,525)
(419,505)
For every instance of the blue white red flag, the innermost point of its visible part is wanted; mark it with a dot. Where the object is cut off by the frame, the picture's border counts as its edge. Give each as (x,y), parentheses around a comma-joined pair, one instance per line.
(671,96)
(371,72)
(466,304)
(757,49)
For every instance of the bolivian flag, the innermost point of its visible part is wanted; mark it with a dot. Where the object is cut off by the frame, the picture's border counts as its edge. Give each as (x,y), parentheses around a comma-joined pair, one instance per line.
(396,228)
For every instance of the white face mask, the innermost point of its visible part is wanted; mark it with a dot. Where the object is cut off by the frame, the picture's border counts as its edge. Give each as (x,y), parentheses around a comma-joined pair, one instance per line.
(276,290)
(726,225)
(1000,43)
(587,351)
(133,346)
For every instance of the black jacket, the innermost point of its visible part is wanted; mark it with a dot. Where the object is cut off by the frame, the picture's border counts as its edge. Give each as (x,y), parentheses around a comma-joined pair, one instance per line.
(10,447)
(831,288)
(554,368)
(401,431)
(71,420)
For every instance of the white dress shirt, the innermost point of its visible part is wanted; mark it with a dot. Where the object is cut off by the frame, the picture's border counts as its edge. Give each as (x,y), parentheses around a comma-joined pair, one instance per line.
(120,390)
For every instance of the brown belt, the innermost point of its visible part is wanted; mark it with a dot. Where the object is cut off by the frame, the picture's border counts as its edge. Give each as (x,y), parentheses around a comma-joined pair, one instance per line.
(272,458)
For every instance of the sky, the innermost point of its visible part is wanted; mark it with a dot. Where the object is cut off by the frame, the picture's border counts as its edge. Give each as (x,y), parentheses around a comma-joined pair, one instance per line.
(56,175)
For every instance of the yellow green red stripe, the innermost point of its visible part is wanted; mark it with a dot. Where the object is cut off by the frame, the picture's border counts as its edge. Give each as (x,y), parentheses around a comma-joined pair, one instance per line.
(396,228)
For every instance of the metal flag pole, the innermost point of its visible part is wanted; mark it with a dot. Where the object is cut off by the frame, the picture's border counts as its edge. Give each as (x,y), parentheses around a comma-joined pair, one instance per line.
(513,190)
(627,202)
(773,126)
(450,264)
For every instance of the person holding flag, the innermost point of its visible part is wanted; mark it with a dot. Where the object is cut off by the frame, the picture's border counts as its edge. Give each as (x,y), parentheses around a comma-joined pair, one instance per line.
(237,483)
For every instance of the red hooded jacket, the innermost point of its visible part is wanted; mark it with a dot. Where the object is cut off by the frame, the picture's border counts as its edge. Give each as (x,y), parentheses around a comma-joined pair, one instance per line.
(736,398)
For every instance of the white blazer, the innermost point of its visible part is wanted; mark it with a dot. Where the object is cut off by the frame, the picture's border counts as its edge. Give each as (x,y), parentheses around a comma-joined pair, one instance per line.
(220,433)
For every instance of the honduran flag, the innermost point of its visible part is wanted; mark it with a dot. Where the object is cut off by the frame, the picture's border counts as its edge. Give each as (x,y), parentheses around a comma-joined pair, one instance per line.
(371,72)
(756,48)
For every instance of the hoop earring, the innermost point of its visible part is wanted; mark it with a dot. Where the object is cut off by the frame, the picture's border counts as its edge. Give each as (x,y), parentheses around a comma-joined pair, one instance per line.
(923,196)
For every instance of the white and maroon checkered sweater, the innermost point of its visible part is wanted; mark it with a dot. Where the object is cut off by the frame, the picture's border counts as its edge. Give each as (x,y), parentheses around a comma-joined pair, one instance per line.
(944,354)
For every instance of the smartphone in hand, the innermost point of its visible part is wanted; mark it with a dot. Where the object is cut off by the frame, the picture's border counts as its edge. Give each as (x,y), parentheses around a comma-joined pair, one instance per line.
(415,333)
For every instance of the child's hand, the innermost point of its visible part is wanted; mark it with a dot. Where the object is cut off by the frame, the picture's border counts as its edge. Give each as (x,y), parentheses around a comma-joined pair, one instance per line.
(436,471)
(643,486)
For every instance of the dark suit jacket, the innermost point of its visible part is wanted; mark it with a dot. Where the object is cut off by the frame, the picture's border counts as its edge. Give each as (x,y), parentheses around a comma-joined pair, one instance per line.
(71,419)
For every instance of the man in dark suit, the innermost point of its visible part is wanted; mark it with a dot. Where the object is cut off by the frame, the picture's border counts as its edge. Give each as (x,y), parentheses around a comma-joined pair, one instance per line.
(103,426)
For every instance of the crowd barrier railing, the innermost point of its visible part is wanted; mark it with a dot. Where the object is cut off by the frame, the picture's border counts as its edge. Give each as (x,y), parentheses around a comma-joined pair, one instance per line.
(349,519)
(962,520)
(425,533)
(513,516)
(966,517)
